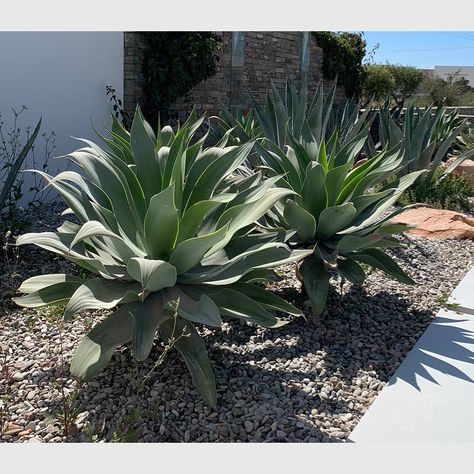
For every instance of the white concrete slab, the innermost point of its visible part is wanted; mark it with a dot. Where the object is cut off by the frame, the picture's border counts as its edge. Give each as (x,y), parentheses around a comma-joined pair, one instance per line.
(463,295)
(430,397)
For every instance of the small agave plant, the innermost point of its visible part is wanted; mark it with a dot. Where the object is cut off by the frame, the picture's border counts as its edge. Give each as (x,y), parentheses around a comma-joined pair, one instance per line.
(336,210)
(161,221)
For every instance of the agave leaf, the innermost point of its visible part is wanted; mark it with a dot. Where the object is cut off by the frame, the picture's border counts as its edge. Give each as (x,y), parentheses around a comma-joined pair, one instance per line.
(208,181)
(238,305)
(190,252)
(351,271)
(59,243)
(191,346)
(246,242)
(349,152)
(267,256)
(162,224)
(334,218)
(201,310)
(334,182)
(147,317)
(119,130)
(301,220)
(314,194)
(128,205)
(154,275)
(196,214)
(379,259)
(265,298)
(174,160)
(95,229)
(96,349)
(101,294)
(39,282)
(469,154)
(242,215)
(349,243)
(55,294)
(372,213)
(146,159)
(316,282)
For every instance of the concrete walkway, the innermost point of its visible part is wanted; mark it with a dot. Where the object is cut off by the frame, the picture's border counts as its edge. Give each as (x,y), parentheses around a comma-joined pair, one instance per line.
(430,397)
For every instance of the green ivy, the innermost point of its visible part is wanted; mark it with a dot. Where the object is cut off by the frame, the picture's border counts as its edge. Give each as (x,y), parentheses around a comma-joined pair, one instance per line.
(342,58)
(174,63)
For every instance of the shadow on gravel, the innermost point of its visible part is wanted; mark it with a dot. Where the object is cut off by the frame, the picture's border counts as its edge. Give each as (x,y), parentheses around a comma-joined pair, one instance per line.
(275,376)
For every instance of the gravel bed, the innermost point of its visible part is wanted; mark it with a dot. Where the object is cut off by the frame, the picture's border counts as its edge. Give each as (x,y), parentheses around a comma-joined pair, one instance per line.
(306,382)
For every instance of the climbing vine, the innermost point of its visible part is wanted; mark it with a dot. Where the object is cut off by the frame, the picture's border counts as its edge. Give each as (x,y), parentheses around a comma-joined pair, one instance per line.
(343,53)
(175,62)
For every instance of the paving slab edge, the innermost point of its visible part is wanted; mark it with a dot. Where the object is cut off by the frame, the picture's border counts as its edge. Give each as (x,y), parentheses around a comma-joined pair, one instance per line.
(461,301)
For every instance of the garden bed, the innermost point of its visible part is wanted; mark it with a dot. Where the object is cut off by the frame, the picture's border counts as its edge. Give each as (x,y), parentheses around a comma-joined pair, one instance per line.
(304,382)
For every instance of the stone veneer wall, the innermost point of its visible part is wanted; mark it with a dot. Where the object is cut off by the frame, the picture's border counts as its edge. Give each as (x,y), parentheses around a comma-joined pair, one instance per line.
(267,56)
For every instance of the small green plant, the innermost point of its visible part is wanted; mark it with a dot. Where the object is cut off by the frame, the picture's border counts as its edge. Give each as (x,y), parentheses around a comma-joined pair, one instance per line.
(126,431)
(161,219)
(452,192)
(5,390)
(117,107)
(19,149)
(12,156)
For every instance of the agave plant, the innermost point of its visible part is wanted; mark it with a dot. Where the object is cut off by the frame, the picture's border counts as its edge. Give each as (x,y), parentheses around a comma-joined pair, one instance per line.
(336,212)
(235,129)
(161,221)
(426,138)
(306,118)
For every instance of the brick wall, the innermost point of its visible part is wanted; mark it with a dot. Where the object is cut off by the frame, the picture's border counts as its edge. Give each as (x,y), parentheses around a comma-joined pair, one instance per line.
(267,56)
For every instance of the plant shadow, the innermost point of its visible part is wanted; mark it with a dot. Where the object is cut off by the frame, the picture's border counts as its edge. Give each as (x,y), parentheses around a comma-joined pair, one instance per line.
(272,377)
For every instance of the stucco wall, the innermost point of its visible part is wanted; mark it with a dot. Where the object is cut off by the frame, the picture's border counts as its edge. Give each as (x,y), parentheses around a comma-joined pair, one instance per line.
(62,77)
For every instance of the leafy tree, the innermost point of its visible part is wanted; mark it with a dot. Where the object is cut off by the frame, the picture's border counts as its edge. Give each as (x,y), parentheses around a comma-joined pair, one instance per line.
(399,82)
(454,90)
(379,82)
(407,81)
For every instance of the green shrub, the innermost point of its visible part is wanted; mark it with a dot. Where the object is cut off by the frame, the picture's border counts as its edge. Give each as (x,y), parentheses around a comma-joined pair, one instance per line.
(343,53)
(451,192)
(379,82)
(175,62)
(165,226)
(452,91)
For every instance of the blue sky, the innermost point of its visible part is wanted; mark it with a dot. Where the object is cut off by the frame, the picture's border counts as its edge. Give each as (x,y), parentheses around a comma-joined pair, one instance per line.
(423,49)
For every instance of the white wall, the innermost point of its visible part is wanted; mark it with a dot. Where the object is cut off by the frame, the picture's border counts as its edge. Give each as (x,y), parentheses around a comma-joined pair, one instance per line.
(62,77)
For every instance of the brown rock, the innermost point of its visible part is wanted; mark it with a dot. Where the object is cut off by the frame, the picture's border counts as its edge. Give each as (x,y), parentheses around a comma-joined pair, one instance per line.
(466,168)
(437,223)
(12,429)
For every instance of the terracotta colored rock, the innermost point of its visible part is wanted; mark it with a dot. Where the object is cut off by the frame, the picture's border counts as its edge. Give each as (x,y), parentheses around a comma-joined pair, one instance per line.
(466,168)
(437,223)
